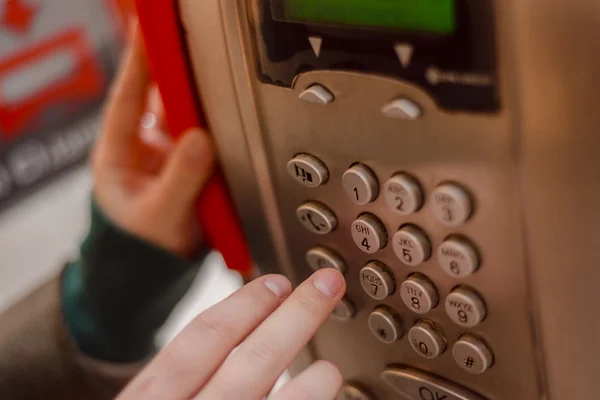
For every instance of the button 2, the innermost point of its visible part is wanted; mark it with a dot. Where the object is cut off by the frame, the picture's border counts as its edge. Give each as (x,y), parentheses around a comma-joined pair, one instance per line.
(369,234)
(411,245)
(472,354)
(465,307)
(317,218)
(451,204)
(308,170)
(458,257)
(376,280)
(427,339)
(360,184)
(321,257)
(385,324)
(403,194)
(419,294)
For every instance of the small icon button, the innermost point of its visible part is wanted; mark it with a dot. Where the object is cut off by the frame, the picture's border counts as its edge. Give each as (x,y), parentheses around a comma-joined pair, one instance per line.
(411,245)
(317,218)
(369,234)
(404,51)
(419,294)
(402,109)
(385,324)
(427,339)
(360,184)
(317,94)
(451,204)
(465,307)
(321,257)
(344,310)
(315,44)
(376,280)
(308,170)
(458,257)
(472,354)
(403,194)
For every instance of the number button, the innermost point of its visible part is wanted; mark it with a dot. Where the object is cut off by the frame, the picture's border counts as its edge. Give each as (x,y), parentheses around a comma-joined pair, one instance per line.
(427,339)
(458,257)
(369,233)
(465,307)
(403,194)
(360,184)
(321,257)
(377,281)
(308,170)
(472,354)
(317,218)
(419,294)
(385,324)
(411,245)
(451,204)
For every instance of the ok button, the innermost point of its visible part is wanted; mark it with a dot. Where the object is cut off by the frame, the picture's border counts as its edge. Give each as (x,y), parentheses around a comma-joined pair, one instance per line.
(418,385)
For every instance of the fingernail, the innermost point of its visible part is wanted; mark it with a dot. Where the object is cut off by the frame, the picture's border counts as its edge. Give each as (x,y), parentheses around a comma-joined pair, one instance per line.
(329,282)
(279,285)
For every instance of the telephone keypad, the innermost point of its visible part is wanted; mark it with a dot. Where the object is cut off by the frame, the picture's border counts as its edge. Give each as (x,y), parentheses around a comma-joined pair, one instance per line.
(317,218)
(403,194)
(321,257)
(465,307)
(377,281)
(451,204)
(385,324)
(360,184)
(344,310)
(308,170)
(458,257)
(419,294)
(472,354)
(427,339)
(411,245)
(369,234)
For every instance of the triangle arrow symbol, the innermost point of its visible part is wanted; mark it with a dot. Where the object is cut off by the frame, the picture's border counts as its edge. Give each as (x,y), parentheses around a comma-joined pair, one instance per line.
(315,43)
(404,52)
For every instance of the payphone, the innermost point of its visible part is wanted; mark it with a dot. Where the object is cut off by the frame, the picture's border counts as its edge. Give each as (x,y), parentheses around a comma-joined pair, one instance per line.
(441,154)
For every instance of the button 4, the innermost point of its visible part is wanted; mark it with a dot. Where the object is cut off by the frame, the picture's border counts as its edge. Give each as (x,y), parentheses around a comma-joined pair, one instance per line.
(308,170)
(369,234)
(458,257)
(472,354)
(360,184)
(385,324)
(411,245)
(321,257)
(465,307)
(419,294)
(451,204)
(317,218)
(376,280)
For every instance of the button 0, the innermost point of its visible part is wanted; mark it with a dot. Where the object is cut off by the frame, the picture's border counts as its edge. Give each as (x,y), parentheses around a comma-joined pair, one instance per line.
(344,310)
(386,324)
(317,94)
(377,281)
(354,392)
(369,234)
(458,257)
(419,385)
(465,307)
(308,170)
(403,194)
(360,184)
(419,294)
(402,109)
(411,245)
(472,354)
(427,339)
(451,204)
(317,218)
(321,257)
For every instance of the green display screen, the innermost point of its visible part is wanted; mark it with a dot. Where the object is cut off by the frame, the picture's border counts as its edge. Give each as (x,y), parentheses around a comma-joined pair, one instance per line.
(435,16)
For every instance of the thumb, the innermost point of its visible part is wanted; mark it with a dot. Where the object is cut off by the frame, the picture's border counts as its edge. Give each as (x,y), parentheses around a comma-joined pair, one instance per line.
(186,171)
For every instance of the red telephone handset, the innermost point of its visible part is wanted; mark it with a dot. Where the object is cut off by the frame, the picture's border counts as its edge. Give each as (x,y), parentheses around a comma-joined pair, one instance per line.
(167,56)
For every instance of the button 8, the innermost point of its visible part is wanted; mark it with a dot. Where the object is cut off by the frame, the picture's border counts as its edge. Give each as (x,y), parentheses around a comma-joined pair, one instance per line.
(419,294)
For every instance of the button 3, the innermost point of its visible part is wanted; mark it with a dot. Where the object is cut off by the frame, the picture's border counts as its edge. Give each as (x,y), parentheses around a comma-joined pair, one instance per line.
(403,194)
(308,170)
(369,233)
(451,204)
(465,307)
(386,324)
(317,218)
(376,280)
(411,245)
(321,257)
(344,310)
(360,184)
(317,94)
(458,257)
(419,294)
(472,354)
(427,339)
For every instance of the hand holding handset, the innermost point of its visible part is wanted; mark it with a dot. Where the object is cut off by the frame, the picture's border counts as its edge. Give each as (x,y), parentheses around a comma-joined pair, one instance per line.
(160,26)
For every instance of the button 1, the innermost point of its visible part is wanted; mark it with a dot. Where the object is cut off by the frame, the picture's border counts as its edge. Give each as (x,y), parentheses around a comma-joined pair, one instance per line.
(386,324)
(403,194)
(344,310)
(472,354)
(458,257)
(411,245)
(369,233)
(317,218)
(419,385)
(402,109)
(317,94)
(360,184)
(465,307)
(427,339)
(377,281)
(451,204)
(419,294)
(308,170)
(354,392)
(321,257)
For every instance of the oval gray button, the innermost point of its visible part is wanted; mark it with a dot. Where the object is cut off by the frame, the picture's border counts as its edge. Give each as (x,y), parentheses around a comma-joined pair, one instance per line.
(419,385)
